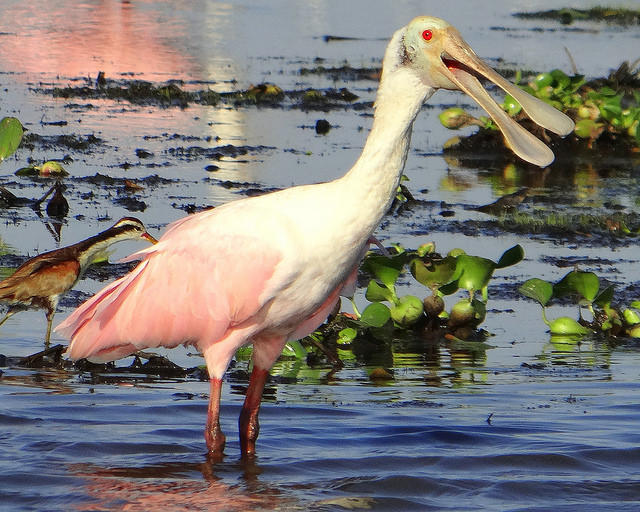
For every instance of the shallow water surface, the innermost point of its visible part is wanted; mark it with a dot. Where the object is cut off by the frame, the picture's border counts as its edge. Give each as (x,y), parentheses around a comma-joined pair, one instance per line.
(519,424)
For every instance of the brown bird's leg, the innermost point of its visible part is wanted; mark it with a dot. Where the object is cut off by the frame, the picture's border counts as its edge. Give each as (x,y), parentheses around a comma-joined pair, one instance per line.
(212,432)
(248,422)
(50,314)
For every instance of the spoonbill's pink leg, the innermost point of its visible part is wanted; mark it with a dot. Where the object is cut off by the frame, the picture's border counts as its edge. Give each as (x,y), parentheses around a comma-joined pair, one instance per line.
(212,432)
(248,422)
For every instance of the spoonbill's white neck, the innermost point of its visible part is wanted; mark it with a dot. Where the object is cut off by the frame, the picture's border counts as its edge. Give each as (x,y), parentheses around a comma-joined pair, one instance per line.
(373,180)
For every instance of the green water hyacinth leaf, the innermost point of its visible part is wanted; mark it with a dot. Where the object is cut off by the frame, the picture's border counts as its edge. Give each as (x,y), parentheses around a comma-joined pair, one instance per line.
(511,105)
(375,314)
(611,108)
(474,271)
(585,284)
(454,253)
(449,288)
(560,79)
(295,349)
(385,269)
(346,335)
(634,331)
(425,249)
(511,257)
(631,317)
(10,136)
(567,326)
(542,80)
(377,293)
(538,290)
(434,273)
(605,297)
(635,304)
(588,129)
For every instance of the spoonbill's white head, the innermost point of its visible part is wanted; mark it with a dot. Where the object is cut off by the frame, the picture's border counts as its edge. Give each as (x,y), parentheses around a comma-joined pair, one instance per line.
(435,50)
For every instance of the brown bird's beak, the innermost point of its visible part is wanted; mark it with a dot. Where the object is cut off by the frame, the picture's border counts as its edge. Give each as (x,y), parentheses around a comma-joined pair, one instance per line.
(461,67)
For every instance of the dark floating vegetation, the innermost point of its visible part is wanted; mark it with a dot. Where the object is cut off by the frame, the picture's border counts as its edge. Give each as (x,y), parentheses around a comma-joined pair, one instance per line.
(177,94)
(567,16)
(344,72)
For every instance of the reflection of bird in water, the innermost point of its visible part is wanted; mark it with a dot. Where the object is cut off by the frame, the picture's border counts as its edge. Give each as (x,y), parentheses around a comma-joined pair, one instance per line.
(40,281)
(172,487)
(269,269)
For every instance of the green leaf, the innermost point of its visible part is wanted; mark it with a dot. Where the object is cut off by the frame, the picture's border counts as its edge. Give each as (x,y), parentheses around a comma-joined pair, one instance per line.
(347,335)
(377,293)
(542,80)
(585,284)
(538,290)
(10,136)
(631,317)
(449,288)
(375,315)
(433,273)
(425,249)
(50,168)
(560,78)
(605,297)
(295,348)
(588,129)
(634,331)
(385,269)
(481,310)
(511,257)
(454,253)
(567,325)
(475,272)
(611,107)
(635,304)
(511,105)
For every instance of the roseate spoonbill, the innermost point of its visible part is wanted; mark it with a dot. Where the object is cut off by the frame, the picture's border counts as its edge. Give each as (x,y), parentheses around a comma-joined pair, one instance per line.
(40,281)
(268,269)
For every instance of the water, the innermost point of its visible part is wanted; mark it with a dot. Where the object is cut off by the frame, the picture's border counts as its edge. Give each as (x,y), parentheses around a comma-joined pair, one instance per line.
(522,425)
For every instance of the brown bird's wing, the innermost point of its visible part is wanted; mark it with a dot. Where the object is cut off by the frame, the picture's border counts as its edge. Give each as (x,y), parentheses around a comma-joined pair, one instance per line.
(38,278)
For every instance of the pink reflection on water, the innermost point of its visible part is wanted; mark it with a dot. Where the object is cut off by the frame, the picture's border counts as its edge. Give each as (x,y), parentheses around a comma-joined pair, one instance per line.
(72,39)
(176,487)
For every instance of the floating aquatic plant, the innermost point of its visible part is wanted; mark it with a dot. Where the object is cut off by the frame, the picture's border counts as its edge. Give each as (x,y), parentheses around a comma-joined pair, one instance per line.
(10,136)
(584,288)
(442,276)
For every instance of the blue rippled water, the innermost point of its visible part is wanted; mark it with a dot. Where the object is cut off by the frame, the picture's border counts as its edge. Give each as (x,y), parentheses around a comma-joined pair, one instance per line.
(519,425)
(546,444)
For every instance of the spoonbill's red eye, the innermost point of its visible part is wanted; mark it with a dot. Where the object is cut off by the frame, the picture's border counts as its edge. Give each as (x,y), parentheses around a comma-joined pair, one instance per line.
(427,35)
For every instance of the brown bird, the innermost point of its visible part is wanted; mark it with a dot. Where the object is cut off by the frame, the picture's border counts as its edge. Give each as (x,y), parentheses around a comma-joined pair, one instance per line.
(40,281)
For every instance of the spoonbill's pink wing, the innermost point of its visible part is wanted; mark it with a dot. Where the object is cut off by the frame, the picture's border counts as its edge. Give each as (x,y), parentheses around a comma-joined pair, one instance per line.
(186,292)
